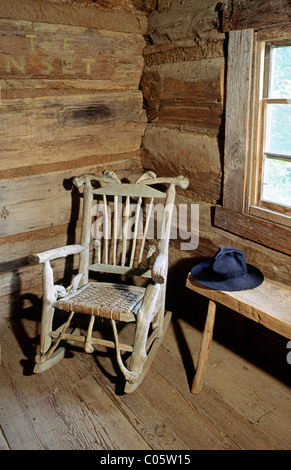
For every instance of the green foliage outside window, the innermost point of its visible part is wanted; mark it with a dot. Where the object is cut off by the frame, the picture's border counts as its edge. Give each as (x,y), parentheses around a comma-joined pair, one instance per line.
(277,167)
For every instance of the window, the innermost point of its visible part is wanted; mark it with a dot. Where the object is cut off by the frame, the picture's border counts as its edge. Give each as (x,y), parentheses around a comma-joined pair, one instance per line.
(257,155)
(271,186)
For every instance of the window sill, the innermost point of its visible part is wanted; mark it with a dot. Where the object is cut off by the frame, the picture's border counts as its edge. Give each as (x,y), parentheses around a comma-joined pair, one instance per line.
(270,216)
(270,234)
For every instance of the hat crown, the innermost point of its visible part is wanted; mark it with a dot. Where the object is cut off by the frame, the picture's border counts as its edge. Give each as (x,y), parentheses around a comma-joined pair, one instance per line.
(229,263)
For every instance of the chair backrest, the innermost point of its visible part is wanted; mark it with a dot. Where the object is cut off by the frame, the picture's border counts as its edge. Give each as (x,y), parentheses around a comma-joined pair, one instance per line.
(118,219)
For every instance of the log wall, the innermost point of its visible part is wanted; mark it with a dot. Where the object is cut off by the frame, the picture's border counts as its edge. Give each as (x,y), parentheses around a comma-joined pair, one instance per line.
(184,87)
(70,76)
(70,104)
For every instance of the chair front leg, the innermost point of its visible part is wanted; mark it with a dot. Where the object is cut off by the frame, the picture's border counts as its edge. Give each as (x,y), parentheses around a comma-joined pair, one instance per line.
(144,319)
(48,355)
(47,308)
(158,321)
(129,375)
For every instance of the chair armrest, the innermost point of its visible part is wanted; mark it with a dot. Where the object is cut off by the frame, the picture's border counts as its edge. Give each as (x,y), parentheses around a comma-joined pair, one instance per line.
(159,269)
(55,253)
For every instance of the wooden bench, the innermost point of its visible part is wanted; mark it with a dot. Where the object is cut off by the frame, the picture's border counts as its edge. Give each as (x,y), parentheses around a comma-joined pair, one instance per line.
(268,304)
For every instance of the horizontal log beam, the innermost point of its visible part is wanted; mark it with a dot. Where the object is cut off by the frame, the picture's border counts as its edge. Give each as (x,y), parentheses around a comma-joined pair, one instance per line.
(37,50)
(62,129)
(169,151)
(241,14)
(187,94)
(89,16)
(40,201)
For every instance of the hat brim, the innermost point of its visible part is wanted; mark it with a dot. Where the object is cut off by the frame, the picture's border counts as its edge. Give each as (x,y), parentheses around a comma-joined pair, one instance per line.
(252,278)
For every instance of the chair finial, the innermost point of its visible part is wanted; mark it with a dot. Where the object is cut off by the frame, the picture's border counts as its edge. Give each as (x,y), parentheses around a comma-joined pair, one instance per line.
(110,174)
(146,176)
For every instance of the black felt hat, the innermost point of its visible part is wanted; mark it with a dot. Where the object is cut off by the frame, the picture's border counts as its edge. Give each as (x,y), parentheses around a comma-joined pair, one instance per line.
(228,271)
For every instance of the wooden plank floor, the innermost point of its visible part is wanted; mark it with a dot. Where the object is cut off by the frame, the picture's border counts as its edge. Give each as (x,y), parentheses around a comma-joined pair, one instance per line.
(78,404)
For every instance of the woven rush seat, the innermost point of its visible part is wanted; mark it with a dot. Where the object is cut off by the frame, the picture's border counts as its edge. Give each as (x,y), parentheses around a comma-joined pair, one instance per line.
(117,301)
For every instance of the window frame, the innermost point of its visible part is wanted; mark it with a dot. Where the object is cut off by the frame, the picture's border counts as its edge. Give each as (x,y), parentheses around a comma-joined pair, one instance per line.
(257,205)
(238,214)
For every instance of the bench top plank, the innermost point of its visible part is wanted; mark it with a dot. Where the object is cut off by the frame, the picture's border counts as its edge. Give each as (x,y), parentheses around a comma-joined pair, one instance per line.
(268,304)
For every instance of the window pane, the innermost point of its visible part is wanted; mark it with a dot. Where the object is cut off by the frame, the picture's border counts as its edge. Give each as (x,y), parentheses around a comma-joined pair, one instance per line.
(280,76)
(278,129)
(277,181)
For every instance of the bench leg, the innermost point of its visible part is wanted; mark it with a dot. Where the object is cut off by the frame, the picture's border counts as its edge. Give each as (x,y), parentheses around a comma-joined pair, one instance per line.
(204,348)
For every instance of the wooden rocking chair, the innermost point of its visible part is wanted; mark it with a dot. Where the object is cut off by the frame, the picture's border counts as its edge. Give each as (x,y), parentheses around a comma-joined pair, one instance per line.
(119,251)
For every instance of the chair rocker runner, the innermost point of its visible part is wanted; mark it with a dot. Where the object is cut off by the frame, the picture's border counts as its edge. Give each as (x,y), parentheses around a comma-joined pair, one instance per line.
(120,248)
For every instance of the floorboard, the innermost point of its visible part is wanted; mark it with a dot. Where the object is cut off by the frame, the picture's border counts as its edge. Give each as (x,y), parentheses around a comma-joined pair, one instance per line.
(79,404)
